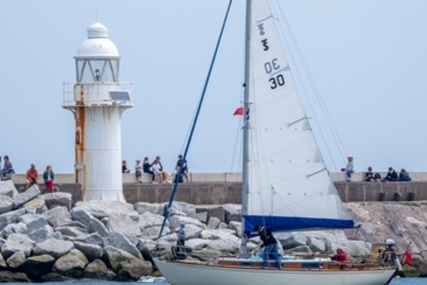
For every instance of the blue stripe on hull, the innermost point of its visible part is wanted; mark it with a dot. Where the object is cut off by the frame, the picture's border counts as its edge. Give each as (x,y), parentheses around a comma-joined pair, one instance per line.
(277,224)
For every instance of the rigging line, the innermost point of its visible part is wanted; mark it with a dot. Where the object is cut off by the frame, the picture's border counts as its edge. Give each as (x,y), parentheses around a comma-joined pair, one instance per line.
(319,97)
(186,137)
(316,120)
(302,85)
(181,165)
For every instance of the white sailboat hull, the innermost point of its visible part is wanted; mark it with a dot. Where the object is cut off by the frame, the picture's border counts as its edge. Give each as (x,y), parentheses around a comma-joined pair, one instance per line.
(180,273)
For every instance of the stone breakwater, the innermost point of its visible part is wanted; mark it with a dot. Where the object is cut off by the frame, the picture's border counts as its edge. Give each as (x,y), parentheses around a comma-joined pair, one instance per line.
(44,237)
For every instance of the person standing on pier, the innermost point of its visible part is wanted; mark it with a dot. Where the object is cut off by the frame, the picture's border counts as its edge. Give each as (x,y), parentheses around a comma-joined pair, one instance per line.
(48,177)
(182,163)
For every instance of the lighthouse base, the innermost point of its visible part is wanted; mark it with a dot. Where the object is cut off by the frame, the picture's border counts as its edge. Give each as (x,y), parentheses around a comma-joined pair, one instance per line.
(109,195)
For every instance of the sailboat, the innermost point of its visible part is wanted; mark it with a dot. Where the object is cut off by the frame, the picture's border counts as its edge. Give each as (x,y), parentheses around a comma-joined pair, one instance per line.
(286,185)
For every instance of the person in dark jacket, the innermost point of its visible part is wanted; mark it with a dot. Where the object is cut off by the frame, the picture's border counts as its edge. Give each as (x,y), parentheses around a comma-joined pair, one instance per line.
(182,163)
(391,175)
(371,176)
(404,175)
(270,247)
(7,169)
(146,167)
(125,168)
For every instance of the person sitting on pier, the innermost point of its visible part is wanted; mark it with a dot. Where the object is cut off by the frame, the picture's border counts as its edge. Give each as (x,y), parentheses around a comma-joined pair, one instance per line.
(391,175)
(404,175)
(7,169)
(146,167)
(349,169)
(157,169)
(125,168)
(371,176)
(32,176)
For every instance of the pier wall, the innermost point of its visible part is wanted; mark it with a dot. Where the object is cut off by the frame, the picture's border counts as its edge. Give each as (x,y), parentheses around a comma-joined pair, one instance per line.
(227,190)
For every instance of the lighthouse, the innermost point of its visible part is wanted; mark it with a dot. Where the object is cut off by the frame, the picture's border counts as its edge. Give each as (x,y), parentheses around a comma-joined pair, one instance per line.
(97,101)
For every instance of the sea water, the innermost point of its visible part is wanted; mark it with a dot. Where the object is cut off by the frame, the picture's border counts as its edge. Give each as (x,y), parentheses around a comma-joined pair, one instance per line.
(161,281)
(408,281)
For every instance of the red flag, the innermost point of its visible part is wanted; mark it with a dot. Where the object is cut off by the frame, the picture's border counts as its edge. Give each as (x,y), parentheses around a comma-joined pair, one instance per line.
(238,112)
(408,257)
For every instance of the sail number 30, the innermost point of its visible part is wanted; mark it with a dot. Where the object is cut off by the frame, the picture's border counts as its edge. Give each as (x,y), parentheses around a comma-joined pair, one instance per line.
(277,80)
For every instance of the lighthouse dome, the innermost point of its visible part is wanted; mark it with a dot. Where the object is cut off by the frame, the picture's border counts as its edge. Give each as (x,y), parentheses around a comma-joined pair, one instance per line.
(97,44)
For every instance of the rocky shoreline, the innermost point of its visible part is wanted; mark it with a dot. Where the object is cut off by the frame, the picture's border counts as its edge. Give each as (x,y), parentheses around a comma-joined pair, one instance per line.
(46,238)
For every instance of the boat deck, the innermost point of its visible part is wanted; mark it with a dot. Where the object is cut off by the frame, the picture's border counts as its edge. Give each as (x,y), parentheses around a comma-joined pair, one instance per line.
(317,262)
(313,265)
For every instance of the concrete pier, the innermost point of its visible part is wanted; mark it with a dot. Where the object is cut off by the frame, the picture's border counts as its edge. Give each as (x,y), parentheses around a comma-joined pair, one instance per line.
(223,188)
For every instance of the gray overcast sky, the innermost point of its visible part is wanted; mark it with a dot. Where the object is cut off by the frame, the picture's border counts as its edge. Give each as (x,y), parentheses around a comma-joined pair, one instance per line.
(368,59)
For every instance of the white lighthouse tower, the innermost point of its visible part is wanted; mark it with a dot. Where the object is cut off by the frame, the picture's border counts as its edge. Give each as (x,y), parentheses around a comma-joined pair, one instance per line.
(99,100)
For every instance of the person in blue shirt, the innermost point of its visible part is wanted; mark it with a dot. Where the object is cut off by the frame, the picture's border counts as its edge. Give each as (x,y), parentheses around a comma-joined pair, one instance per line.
(183,162)
(48,177)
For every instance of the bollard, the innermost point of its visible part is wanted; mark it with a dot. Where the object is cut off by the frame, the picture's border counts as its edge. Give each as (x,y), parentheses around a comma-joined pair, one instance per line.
(396,197)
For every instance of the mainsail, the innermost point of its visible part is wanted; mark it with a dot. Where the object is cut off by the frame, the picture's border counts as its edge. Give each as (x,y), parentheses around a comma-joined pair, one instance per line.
(288,186)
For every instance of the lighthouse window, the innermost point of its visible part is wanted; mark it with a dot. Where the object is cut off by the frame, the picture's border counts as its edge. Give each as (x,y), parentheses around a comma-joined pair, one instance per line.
(114,66)
(97,70)
(80,66)
(94,70)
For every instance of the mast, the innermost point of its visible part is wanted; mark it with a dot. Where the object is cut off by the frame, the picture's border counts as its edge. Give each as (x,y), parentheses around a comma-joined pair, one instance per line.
(246,124)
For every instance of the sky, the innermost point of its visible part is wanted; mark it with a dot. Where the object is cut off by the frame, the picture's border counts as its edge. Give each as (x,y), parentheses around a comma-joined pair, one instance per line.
(367,59)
